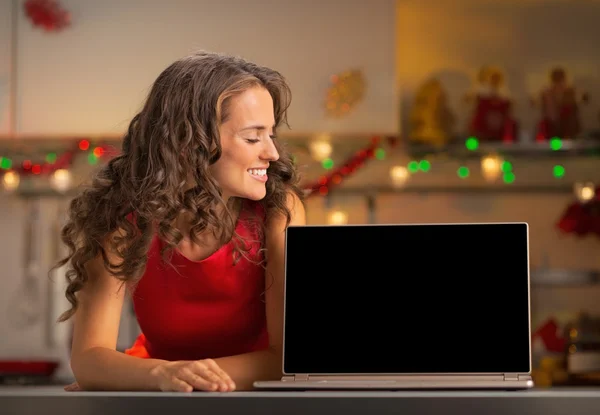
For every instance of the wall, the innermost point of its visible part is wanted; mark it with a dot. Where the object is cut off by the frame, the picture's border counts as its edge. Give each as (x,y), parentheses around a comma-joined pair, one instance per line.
(91,78)
(43,338)
(451,41)
(526,38)
(20,339)
(5,64)
(540,211)
(548,247)
(81,82)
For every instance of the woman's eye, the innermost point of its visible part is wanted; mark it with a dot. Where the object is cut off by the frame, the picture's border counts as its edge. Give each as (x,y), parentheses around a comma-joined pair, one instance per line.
(252,140)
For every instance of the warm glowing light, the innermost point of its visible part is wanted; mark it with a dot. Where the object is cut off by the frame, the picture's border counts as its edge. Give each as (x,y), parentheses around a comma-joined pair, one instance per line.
(10,180)
(399,175)
(320,150)
(338,217)
(584,192)
(491,167)
(61,180)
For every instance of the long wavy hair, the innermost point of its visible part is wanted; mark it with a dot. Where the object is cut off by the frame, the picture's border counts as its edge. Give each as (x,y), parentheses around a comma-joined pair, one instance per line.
(173,137)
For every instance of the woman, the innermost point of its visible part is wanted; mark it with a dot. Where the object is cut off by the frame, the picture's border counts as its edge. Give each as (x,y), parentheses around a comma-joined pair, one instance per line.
(190,220)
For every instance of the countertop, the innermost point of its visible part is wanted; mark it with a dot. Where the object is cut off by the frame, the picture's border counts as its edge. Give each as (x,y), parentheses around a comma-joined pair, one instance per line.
(53,400)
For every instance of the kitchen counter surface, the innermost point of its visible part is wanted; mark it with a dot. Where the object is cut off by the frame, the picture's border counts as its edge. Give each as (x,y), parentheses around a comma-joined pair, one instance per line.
(53,400)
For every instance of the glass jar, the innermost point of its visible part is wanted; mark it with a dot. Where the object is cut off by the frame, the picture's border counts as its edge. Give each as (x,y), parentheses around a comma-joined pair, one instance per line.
(582,350)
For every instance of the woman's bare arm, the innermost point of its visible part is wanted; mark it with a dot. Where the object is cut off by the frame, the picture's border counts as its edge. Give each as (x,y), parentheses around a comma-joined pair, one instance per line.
(98,366)
(95,362)
(246,368)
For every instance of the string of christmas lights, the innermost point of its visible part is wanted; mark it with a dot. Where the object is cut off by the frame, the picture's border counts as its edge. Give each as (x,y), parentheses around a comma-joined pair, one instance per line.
(54,161)
(325,183)
(493,166)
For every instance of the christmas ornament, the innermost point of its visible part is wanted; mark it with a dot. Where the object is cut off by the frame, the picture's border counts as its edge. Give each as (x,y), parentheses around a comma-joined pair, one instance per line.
(582,218)
(492,118)
(347,89)
(47,14)
(549,334)
(431,120)
(559,103)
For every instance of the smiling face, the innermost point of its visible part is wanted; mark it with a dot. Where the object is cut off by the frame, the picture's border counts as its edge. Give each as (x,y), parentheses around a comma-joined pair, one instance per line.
(247,145)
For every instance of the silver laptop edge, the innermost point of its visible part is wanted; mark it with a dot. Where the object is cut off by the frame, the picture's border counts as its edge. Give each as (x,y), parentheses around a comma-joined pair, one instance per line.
(402,380)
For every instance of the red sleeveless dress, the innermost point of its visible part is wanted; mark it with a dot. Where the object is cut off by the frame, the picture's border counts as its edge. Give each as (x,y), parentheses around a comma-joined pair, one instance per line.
(193,310)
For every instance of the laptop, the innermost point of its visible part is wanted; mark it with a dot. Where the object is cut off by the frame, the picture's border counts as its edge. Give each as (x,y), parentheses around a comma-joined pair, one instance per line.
(406,306)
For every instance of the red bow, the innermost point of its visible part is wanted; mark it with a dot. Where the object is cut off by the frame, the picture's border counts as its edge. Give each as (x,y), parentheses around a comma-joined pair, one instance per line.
(582,218)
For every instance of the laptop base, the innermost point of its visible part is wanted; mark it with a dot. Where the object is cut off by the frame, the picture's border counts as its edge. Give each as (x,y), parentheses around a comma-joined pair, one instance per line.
(405,384)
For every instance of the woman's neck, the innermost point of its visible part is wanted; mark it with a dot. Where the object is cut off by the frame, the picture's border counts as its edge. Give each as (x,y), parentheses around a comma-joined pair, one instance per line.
(184,221)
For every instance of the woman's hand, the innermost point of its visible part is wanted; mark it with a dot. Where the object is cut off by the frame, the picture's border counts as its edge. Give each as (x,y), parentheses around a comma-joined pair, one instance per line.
(73,387)
(185,376)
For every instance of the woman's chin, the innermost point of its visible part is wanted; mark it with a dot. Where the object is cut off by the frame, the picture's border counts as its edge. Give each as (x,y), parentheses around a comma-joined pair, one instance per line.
(258,193)
(254,193)
(256,196)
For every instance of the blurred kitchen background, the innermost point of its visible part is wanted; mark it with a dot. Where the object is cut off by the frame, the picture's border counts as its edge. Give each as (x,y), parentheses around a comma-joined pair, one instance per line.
(403,111)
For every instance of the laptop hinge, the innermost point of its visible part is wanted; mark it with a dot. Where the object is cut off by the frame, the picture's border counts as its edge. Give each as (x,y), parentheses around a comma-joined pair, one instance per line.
(511,376)
(301,377)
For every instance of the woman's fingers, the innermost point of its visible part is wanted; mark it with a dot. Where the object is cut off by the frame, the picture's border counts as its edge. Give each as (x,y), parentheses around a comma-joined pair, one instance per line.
(178,385)
(200,379)
(72,387)
(222,374)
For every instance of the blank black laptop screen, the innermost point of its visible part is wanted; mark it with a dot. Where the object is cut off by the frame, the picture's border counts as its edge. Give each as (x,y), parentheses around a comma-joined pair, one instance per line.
(407,299)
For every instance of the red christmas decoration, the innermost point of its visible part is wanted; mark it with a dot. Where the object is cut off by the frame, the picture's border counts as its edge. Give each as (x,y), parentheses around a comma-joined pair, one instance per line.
(324,184)
(64,160)
(582,218)
(560,104)
(492,118)
(548,332)
(47,14)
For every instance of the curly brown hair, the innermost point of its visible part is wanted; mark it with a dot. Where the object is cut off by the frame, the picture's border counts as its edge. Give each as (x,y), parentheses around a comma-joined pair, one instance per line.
(175,135)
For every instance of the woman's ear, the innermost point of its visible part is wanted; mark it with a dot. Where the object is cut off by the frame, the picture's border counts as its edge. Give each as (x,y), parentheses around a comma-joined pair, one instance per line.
(215,150)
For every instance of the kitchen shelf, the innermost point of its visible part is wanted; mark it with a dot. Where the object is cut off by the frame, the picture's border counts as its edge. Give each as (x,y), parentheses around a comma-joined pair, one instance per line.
(579,147)
(564,277)
(466,189)
(532,162)
(344,145)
